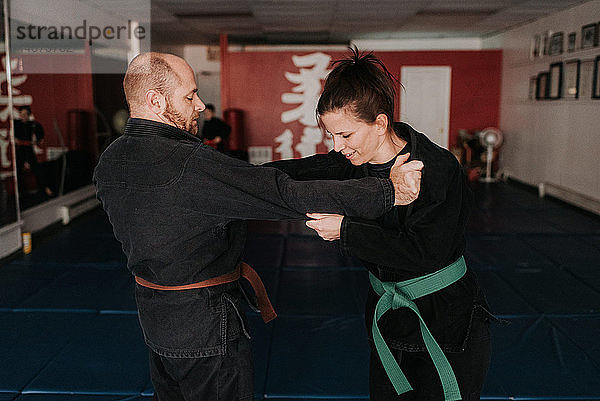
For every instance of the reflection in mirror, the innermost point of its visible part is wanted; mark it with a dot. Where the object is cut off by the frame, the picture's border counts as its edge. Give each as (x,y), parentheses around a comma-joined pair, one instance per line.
(9,210)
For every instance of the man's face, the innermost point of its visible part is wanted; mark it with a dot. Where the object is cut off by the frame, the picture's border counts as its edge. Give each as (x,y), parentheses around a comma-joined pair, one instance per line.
(208,114)
(183,104)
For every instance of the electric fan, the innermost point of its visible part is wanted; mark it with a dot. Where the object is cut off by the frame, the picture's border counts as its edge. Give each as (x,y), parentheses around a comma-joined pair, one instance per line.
(490,138)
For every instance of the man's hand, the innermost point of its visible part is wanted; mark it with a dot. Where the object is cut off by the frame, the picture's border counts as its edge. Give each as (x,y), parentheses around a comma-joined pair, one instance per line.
(327,225)
(407,179)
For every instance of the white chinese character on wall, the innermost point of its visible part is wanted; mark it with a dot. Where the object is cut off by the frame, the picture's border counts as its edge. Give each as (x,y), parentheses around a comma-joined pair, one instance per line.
(5,113)
(18,98)
(285,144)
(306,95)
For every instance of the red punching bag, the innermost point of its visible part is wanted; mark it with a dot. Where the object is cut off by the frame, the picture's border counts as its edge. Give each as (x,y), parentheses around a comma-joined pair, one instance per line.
(235,119)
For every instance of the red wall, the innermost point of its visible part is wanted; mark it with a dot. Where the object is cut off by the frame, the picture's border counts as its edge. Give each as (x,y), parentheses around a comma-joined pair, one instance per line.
(52,96)
(475,86)
(257,81)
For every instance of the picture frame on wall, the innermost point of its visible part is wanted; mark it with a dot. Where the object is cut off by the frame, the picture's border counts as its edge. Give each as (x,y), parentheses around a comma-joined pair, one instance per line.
(571,81)
(586,75)
(589,36)
(545,43)
(555,81)
(541,91)
(535,47)
(596,79)
(532,87)
(556,43)
(572,41)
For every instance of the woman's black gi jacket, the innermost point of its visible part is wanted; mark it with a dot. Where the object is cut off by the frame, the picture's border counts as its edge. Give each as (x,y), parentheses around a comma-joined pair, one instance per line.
(427,236)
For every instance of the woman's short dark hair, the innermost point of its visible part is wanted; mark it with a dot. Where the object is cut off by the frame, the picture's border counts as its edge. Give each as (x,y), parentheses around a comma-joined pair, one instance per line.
(360,84)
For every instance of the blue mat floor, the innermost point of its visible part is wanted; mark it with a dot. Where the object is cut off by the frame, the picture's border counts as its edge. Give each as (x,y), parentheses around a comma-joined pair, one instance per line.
(69,329)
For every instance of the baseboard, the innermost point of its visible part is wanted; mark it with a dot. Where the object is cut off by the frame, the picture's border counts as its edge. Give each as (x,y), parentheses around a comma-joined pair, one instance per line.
(10,239)
(563,194)
(61,209)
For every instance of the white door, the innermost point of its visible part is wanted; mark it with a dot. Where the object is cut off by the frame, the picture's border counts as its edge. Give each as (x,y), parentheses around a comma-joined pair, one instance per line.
(425,101)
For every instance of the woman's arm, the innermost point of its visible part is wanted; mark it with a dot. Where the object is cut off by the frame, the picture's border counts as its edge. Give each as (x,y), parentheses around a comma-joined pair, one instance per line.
(426,240)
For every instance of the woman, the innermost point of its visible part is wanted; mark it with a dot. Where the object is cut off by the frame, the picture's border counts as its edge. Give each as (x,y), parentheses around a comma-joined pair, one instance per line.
(426,316)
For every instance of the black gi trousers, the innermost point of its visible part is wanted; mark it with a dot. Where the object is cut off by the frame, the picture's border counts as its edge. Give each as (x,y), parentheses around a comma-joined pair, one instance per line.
(470,367)
(215,378)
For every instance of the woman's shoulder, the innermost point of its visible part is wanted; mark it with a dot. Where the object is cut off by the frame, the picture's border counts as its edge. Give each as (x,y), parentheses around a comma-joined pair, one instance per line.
(422,148)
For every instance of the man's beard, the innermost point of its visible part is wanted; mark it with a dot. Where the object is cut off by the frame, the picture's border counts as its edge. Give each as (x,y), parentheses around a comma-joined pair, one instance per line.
(180,121)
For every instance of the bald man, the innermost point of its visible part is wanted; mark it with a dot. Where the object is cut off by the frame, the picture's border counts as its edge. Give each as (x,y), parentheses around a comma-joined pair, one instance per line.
(178,208)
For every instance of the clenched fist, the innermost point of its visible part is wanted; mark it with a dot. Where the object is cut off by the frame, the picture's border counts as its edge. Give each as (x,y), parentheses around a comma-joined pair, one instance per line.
(406,178)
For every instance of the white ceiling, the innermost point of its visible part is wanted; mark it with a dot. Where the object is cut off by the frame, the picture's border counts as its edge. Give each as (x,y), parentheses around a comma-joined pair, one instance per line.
(338,21)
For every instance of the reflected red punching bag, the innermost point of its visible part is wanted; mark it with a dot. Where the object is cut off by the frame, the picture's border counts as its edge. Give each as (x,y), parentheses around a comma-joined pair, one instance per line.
(235,119)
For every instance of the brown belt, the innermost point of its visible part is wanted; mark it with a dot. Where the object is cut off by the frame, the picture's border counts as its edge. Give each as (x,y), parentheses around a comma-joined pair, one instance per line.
(243,270)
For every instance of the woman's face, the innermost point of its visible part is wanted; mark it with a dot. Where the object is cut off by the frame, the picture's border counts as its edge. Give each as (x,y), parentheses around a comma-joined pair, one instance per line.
(357,140)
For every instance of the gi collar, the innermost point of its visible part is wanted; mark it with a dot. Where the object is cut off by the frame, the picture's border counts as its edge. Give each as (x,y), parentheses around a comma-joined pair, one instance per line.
(144,127)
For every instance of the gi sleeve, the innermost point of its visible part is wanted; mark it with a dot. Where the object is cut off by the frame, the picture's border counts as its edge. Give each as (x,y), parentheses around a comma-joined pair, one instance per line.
(424,241)
(324,166)
(231,188)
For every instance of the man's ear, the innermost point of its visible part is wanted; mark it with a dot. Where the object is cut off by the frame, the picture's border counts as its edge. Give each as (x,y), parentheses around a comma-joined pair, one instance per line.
(381,123)
(155,101)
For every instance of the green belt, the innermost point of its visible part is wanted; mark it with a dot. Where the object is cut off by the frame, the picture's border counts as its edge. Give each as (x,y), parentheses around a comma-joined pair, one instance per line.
(401,295)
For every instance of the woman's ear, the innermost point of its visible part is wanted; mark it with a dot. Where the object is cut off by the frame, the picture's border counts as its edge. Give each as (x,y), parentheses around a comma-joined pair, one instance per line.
(155,101)
(381,123)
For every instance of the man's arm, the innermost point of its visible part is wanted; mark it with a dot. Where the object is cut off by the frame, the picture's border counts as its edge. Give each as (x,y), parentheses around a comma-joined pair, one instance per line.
(322,166)
(228,187)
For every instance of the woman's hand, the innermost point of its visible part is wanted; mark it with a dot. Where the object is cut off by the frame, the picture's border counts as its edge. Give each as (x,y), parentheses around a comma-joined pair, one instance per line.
(327,225)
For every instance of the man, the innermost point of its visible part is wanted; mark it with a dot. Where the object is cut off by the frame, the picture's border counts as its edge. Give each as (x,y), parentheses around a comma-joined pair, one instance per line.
(28,133)
(214,131)
(177,206)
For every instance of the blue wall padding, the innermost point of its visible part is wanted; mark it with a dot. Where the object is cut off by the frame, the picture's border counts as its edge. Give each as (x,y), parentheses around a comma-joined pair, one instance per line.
(503,300)
(589,274)
(318,399)
(107,357)
(72,248)
(262,335)
(553,291)
(509,221)
(76,397)
(316,292)
(583,331)
(31,340)
(148,389)
(264,252)
(567,250)
(531,359)
(86,289)
(571,220)
(313,252)
(492,252)
(17,283)
(318,357)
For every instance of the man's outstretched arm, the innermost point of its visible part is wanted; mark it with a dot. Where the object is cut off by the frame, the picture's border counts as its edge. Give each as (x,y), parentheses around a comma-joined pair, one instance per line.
(232,188)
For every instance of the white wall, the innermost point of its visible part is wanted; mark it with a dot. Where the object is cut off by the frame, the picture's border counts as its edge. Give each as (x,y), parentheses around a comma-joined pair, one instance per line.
(551,141)
(208,74)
